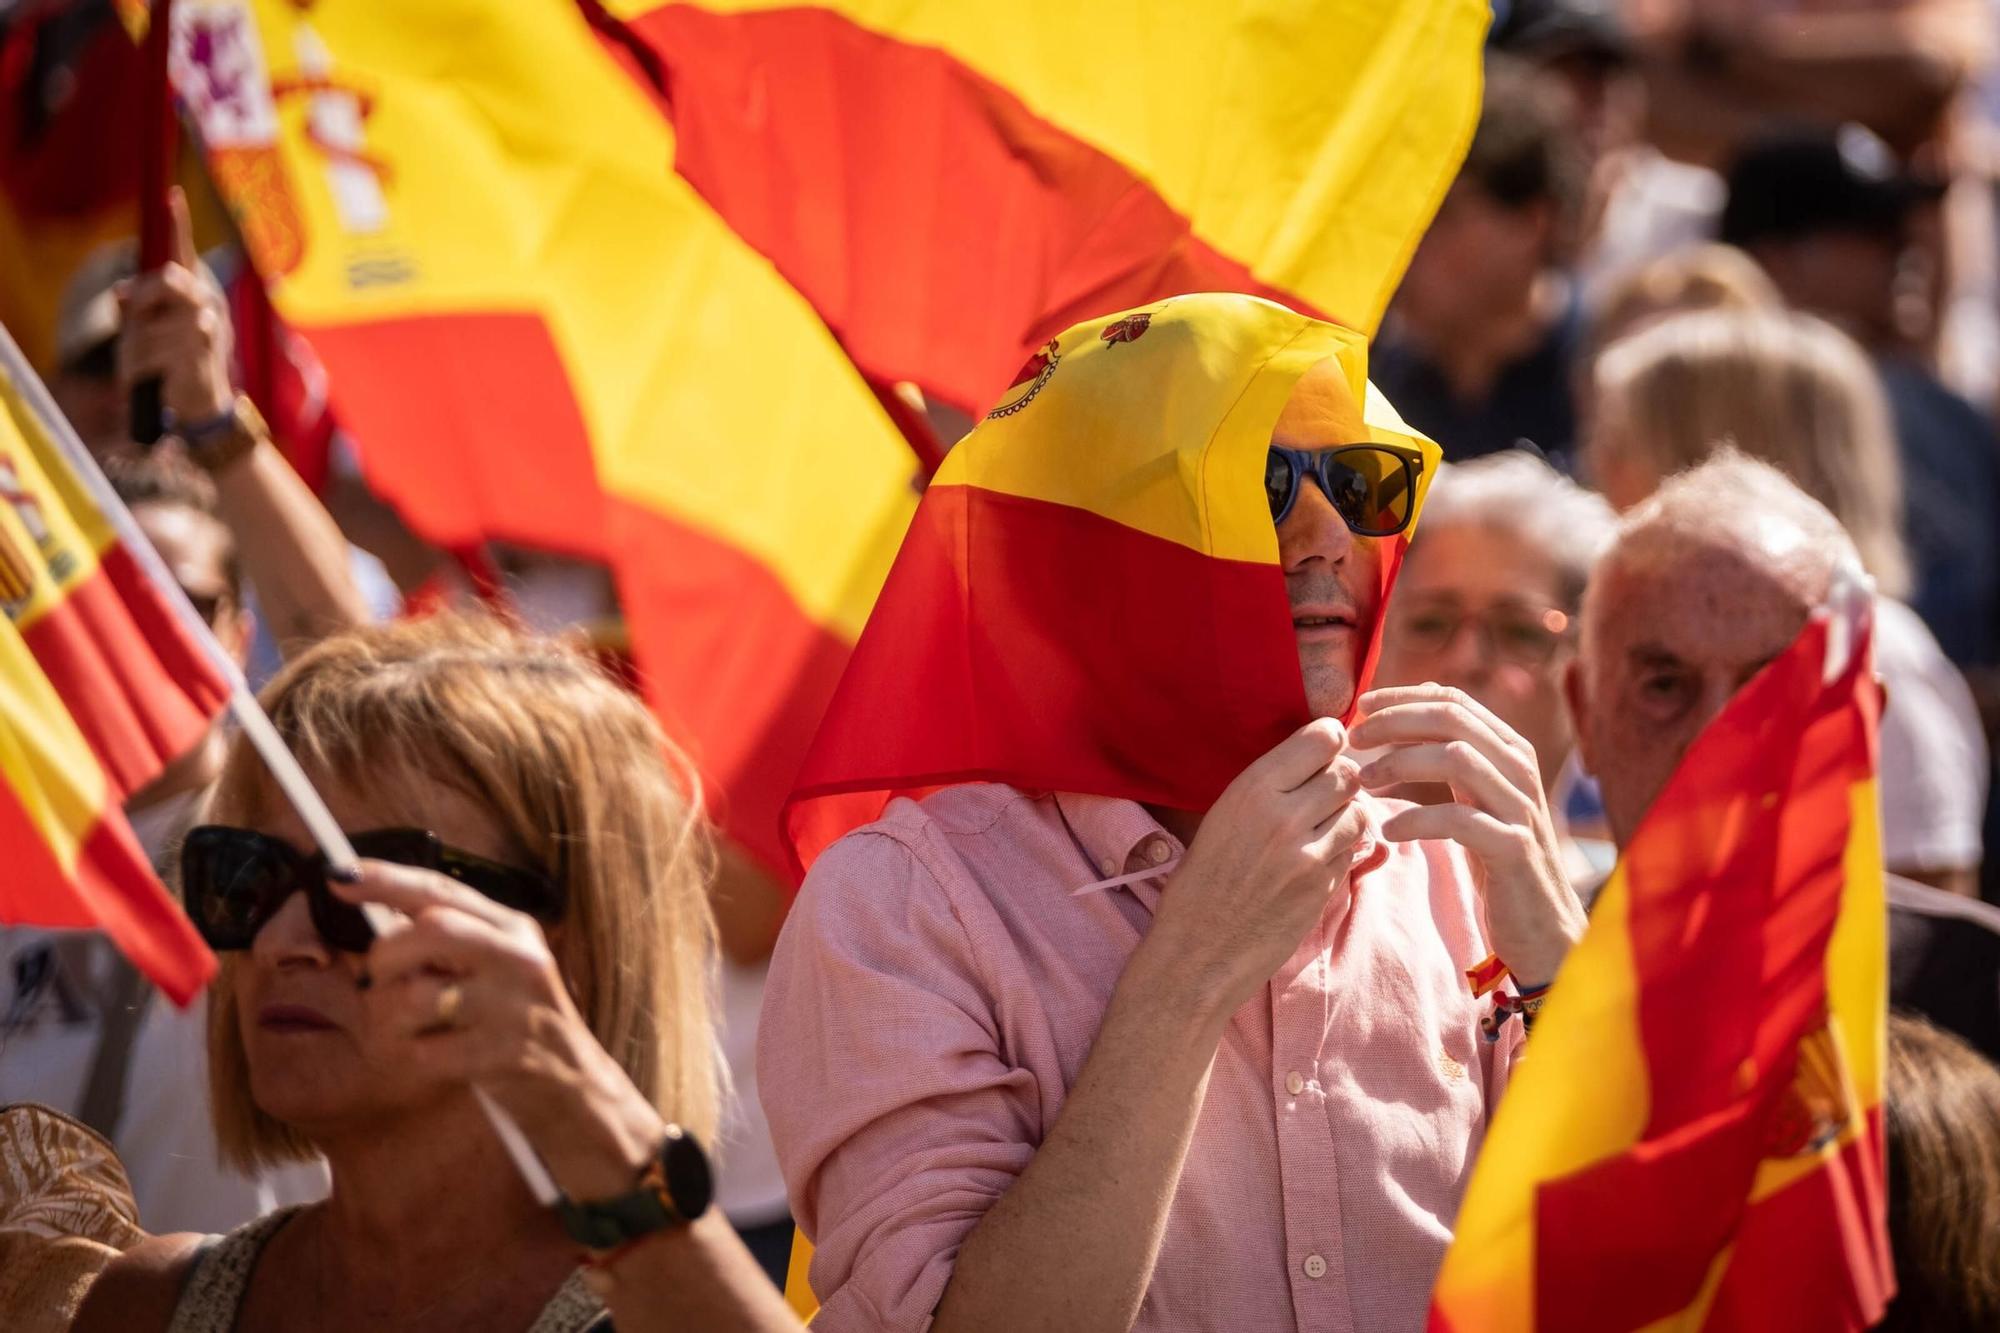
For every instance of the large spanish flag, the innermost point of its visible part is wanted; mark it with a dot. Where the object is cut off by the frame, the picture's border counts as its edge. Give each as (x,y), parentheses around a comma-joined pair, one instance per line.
(952,184)
(100,687)
(536,332)
(1695,1142)
(1090,598)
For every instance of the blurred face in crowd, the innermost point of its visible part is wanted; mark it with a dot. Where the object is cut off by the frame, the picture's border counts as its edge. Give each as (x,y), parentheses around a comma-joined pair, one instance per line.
(1618,469)
(1676,623)
(1482,610)
(1332,577)
(1846,276)
(299,1012)
(197,550)
(86,389)
(1479,259)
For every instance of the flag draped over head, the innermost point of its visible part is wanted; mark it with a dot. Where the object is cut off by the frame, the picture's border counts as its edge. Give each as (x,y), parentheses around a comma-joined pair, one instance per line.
(1696,1141)
(100,688)
(1089,598)
(951,184)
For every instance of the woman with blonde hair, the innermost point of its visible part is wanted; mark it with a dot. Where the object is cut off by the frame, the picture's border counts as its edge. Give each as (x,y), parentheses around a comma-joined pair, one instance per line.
(555,952)
(1800,395)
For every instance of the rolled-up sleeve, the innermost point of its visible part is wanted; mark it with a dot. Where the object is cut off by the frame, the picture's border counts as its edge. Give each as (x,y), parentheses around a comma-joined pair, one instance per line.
(897,1117)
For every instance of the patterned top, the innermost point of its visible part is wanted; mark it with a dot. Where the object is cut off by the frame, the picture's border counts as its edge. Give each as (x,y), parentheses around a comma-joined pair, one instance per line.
(214,1291)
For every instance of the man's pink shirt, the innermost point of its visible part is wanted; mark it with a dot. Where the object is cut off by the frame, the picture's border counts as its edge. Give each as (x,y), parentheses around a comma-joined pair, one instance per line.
(938,987)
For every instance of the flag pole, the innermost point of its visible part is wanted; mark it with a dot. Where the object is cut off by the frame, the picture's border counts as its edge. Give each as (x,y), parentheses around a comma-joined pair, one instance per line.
(159,141)
(243,705)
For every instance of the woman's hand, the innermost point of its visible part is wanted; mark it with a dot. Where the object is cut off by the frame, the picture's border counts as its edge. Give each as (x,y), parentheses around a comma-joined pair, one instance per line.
(468,989)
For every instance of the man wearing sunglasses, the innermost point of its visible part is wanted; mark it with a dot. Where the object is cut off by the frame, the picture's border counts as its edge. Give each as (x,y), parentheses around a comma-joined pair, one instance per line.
(1057,1060)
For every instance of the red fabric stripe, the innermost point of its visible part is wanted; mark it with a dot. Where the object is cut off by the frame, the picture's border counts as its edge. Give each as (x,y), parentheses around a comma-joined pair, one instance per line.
(942,229)
(468,425)
(729,663)
(141,692)
(1052,648)
(113,889)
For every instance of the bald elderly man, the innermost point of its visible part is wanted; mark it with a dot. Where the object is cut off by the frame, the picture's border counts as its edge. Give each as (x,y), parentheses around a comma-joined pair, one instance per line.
(1704,584)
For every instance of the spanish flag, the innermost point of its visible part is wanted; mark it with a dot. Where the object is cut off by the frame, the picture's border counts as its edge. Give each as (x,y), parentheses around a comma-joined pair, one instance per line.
(953,184)
(633,283)
(1695,1140)
(1090,597)
(100,687)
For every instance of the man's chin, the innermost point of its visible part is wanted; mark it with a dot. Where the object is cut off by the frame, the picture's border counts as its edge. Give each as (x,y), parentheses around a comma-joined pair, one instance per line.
(1329,690)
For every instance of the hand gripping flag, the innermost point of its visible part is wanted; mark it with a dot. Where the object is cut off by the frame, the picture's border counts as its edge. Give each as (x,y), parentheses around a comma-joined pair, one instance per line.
(100,687)
(1089,598)
(1695,1140)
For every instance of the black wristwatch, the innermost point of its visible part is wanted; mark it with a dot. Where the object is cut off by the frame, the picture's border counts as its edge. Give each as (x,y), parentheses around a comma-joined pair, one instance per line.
(674,1189)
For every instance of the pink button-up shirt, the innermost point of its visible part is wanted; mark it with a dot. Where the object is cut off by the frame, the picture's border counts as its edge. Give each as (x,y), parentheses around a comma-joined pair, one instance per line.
(938,987)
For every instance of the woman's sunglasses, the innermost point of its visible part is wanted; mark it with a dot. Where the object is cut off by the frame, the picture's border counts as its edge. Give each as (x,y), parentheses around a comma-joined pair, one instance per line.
(234,881)
(1372,487)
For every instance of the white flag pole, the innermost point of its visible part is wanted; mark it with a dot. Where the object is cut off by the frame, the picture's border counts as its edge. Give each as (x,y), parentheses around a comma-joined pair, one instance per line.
(243,705)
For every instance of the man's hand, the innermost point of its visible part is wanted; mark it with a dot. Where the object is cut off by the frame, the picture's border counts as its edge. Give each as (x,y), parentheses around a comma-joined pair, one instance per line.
(1270,853)
(174,328)
(1437,734)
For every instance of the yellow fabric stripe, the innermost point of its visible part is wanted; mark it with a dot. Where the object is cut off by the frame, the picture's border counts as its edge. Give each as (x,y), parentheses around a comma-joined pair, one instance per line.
(1310,141)
(1126,428)
(1587,1036)
(44,757)
(51,535)
(511,165)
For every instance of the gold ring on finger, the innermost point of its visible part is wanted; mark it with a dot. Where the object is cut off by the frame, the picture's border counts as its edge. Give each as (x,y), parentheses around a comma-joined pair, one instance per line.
(450,1000)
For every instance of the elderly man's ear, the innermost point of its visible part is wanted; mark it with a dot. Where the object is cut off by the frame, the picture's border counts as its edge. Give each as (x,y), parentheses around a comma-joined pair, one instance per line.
(1577,696)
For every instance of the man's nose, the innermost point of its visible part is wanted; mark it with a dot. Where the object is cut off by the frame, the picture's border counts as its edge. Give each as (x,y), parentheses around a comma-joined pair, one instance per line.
(1468,655)
(1314,530)
(290,937)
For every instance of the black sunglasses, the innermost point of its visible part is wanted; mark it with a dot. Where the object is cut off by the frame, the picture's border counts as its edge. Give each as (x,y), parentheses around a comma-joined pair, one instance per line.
(1372,487)
(234,880)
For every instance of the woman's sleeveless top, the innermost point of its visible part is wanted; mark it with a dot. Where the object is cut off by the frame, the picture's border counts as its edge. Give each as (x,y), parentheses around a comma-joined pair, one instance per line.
(214,1290)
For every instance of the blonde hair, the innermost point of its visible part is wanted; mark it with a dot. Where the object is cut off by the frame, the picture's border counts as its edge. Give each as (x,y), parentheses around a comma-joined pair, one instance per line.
(1783,387)
(575,770)
(1711,276)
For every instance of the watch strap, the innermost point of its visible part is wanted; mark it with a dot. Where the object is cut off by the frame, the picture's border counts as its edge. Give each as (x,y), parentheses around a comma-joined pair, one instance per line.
(220,440)
(606,1224)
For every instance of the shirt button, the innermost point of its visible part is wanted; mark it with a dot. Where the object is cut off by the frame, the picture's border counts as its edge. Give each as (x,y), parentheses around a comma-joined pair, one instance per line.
(1108,866)
(1315,1267)
(1295,1083)
(1158,852)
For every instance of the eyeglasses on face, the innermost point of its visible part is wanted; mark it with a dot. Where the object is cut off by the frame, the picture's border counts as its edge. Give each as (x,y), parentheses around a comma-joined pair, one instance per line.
(234,880)
(1373,487)
(1526,636)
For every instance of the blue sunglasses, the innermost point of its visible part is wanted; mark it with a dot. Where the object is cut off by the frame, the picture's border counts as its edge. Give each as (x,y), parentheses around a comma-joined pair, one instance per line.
(1373,487)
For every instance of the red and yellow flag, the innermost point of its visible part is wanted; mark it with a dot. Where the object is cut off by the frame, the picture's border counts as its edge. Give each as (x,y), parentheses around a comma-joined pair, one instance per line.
(1695,1142)
(1090,598)
(100,687)
(953,184)
(517,241)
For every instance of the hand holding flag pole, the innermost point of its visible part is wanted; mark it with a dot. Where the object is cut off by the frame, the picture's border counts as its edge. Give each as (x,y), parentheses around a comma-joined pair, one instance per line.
(158,141)
(243,706)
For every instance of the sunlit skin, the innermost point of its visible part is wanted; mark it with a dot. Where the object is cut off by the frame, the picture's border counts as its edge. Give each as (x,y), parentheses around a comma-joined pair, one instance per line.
(1471,570)
(1677,622)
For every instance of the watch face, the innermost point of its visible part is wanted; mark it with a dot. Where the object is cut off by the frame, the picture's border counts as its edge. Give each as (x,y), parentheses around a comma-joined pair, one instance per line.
(689,1183)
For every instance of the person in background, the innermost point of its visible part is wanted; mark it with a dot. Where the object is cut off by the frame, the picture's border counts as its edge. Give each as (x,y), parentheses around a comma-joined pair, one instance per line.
(1704,583)
(79,1028)
(1827,214)
(1941,1112)
(1707,276)
(1486,602)
(555,951)
(1483,330)
(1793,391)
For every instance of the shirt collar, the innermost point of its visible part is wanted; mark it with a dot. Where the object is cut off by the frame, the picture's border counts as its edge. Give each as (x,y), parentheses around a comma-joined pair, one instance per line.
(1118,837)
